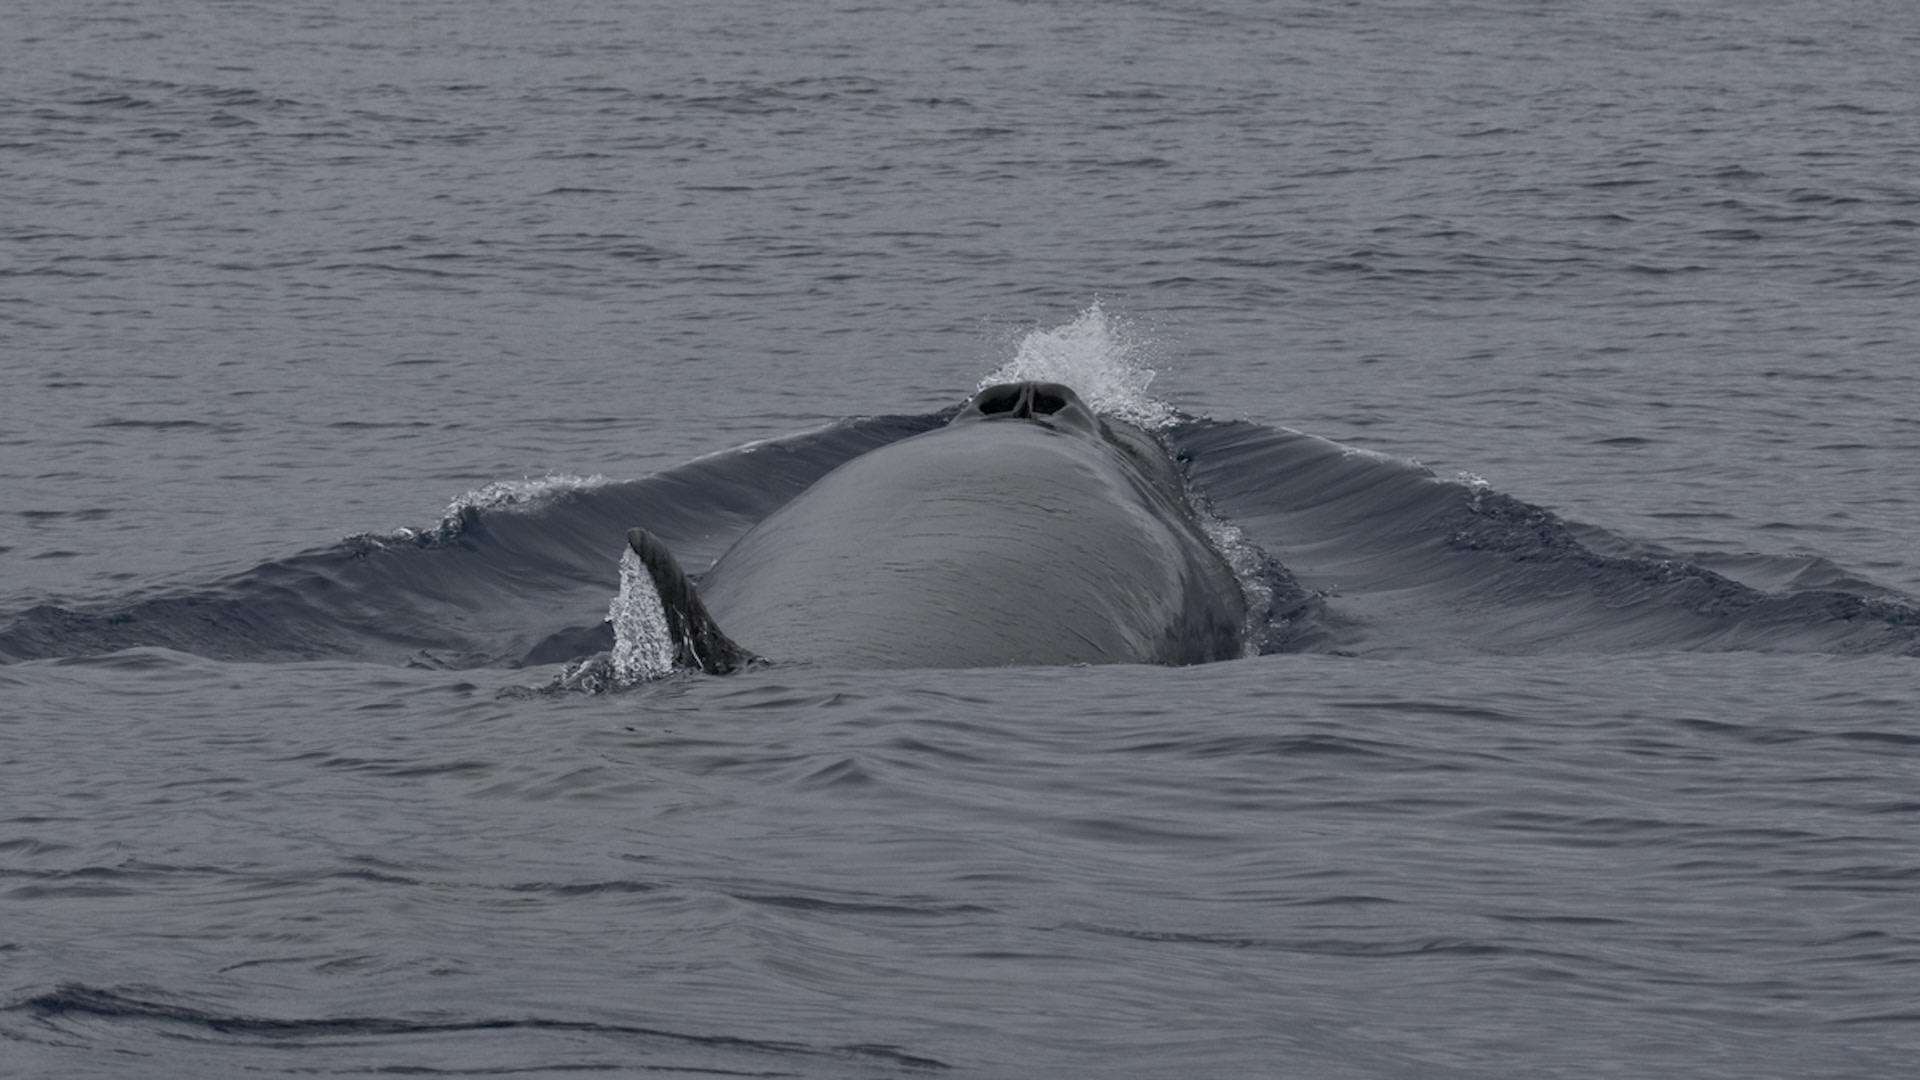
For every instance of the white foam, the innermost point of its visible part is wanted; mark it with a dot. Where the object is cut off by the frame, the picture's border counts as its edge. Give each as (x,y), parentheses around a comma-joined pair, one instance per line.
(511,495)
(642,644)
(1476,486)
(1105,359)
(1381,456)
(1243,558)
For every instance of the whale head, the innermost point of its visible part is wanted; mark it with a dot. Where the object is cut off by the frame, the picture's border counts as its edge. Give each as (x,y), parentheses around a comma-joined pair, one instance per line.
(1057,408)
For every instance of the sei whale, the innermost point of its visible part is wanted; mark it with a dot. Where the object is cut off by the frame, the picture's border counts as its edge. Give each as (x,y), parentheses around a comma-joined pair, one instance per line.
(1027,531)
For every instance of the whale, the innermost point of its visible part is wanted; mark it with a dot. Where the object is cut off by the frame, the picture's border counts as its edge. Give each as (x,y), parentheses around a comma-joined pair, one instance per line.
(1028,531)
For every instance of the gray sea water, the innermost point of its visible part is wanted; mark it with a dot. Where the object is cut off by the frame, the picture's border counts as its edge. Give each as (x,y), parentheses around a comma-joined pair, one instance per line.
(1564,354)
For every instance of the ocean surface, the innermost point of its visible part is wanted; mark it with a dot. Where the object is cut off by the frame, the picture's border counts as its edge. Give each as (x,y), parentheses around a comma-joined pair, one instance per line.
(1551,371)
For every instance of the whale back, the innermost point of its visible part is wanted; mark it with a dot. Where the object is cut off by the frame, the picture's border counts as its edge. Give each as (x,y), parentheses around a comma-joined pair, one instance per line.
(981,545)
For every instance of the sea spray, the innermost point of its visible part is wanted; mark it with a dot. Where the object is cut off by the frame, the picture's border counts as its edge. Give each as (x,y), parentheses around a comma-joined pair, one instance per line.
(642,644)
(1103,358)
(1249,565)
(519,496)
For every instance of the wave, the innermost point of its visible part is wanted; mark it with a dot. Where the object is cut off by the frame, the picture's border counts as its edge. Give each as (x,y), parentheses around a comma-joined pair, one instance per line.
(74,1004)
(1409,563)
(510,576)
(1350,552)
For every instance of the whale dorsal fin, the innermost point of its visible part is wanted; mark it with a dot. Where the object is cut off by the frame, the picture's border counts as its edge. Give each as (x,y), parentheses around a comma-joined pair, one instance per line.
(697,640)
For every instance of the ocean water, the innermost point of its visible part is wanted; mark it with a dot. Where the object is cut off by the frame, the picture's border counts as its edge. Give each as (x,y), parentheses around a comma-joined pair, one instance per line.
(1548,368)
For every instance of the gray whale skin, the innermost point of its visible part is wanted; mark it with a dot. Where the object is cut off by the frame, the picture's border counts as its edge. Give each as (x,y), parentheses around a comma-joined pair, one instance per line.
(1027,531)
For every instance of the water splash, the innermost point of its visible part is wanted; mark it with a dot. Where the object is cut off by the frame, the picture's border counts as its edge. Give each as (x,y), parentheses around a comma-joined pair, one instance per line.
(1104,358)
(510,495)
(1244,559)
(502,494)
(642,644)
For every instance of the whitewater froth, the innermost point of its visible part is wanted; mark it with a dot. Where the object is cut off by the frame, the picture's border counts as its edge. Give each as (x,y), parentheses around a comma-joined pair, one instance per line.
(1104,358)
(642,644)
